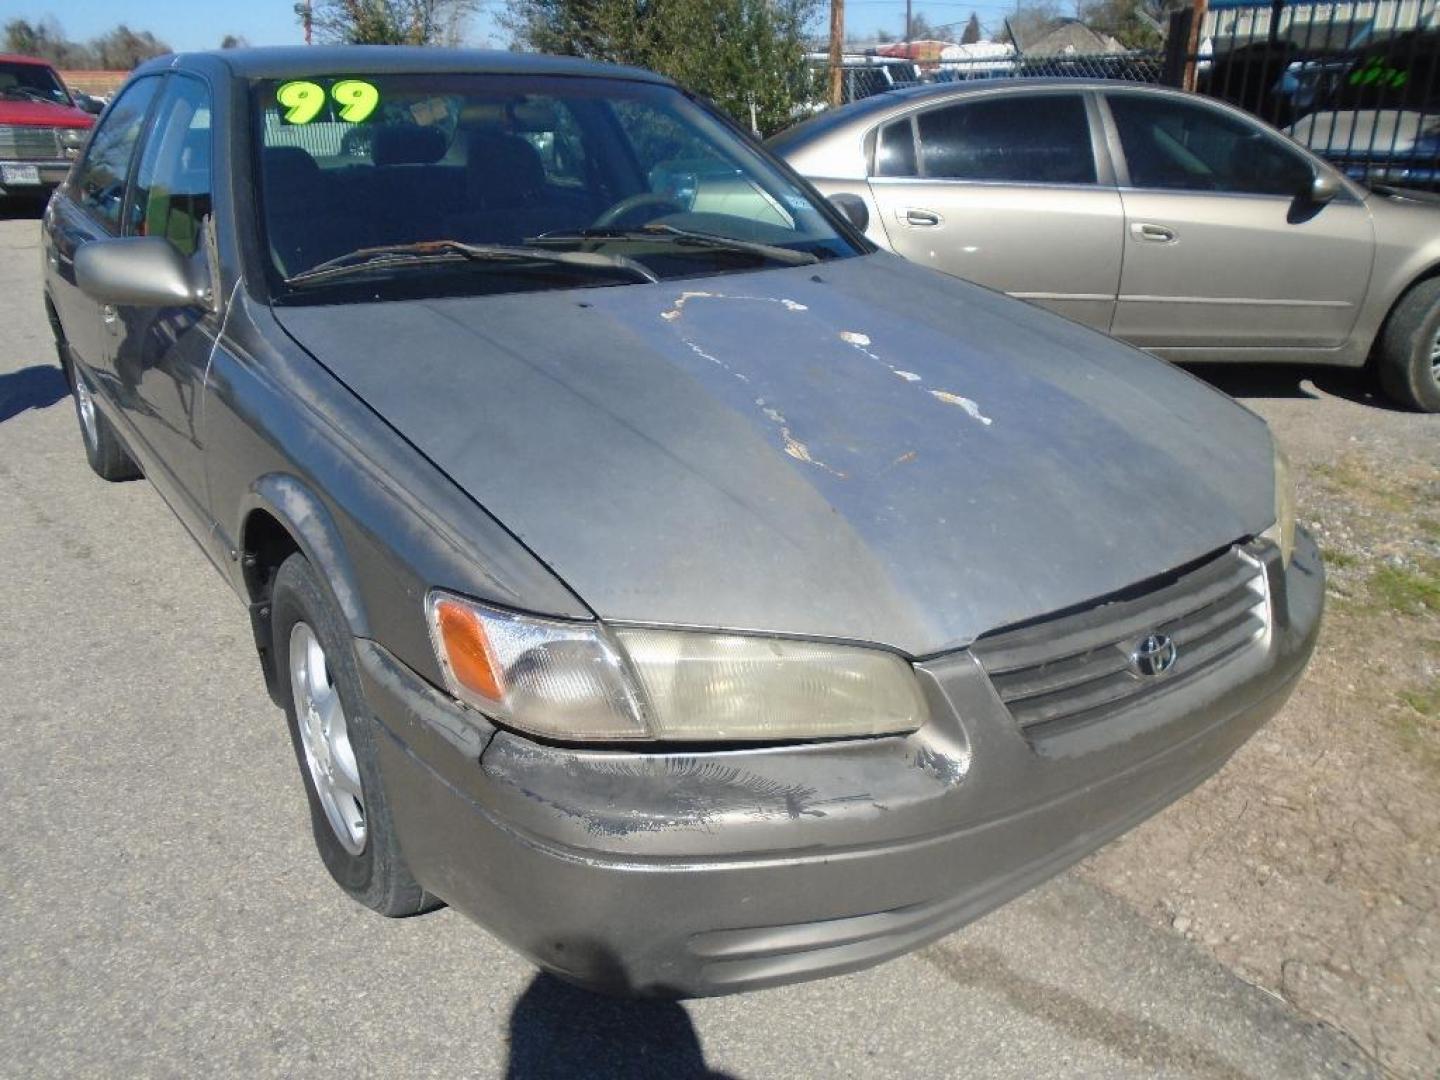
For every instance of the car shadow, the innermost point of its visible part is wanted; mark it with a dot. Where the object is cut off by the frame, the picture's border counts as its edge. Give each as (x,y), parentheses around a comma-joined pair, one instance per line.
(34,387)
(1290,381)
(558,1030)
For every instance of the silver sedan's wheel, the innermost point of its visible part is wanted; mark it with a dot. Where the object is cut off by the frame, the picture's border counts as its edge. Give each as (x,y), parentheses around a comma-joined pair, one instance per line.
(85,406)
(325,736)
(1407,354)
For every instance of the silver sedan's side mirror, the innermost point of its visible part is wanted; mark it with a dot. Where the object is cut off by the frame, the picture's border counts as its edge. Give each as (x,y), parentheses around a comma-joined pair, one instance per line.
(1323,188)
(144,271)
(853,209)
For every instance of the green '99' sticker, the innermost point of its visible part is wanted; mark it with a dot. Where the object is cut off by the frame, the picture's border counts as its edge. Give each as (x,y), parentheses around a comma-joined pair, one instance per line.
(303,101)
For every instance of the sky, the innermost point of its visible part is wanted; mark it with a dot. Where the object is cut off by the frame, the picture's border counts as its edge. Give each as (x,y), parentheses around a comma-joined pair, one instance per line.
(200,24)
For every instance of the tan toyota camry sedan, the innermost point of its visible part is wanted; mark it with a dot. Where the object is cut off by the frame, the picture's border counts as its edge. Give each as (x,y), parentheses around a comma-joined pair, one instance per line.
(1174,222)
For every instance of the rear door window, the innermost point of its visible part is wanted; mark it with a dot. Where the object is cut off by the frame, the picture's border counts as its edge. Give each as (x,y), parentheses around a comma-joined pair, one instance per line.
(1019,138)
(100,179)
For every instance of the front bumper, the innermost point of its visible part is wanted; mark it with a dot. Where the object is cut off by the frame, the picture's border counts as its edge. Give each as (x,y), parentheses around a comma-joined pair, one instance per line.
(48,174)
(696,873)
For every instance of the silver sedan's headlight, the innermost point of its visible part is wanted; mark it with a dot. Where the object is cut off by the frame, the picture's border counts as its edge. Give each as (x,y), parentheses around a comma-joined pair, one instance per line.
(581,681)
(1282,533)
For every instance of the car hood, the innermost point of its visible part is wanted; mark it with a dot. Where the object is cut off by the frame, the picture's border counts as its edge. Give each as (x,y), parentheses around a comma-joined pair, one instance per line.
(1365,133)
(43,114)
(863,450)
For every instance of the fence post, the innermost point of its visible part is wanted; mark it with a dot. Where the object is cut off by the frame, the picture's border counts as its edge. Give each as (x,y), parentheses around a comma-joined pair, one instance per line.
(1194,40)
(1177,47)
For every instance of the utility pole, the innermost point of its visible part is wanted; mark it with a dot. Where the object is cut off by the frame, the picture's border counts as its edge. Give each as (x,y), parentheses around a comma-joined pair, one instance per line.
(909,22)
(837,49)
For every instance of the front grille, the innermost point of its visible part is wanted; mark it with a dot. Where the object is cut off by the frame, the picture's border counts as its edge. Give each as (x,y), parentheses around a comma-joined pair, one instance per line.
(30,143)
(1076,669)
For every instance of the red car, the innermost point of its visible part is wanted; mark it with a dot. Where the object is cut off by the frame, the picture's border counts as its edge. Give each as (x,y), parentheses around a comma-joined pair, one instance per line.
(42,128)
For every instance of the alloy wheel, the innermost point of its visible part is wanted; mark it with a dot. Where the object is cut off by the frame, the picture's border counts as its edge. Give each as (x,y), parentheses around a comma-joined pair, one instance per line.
(86,403)
(325,737)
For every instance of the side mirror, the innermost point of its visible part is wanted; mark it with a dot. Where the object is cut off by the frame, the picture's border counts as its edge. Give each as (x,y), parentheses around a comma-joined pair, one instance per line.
(93,106)
(143,271)
(853,209)
(1323,188)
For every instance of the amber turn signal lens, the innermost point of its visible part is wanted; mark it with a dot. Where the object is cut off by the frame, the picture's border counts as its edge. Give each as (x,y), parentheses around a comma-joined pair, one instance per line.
(467,650)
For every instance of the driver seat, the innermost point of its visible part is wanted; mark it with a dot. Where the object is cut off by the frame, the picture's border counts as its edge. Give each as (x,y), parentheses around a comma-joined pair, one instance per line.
(506,197)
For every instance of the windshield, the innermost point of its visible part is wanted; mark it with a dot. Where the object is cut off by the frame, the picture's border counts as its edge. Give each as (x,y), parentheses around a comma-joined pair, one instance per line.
(352,168)
(33,81)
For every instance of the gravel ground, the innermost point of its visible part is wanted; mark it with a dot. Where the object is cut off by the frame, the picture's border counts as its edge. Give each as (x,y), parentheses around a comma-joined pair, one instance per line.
(1311,864)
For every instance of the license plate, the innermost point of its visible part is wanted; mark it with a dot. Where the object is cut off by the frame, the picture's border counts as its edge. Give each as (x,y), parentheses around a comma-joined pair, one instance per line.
(19,174)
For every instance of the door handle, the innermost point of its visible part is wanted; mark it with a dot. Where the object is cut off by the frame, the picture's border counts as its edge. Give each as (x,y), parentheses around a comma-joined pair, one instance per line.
(1158,234)
(916,215)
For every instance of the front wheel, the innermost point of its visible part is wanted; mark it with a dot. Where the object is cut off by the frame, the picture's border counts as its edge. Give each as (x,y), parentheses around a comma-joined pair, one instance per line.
(334,740)
(1408,357)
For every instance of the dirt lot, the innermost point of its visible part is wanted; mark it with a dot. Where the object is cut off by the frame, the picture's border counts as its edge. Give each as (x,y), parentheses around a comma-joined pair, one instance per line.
(1311,864)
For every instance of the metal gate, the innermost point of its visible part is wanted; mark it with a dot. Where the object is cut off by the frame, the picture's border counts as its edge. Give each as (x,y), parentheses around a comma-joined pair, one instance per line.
(1357,81)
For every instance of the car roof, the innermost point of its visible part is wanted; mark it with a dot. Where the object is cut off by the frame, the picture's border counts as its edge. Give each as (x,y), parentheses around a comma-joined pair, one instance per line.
(16,58)
(822,125)
(290,62)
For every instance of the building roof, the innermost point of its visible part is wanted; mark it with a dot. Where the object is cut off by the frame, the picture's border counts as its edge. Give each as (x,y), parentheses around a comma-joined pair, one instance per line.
(1072,37)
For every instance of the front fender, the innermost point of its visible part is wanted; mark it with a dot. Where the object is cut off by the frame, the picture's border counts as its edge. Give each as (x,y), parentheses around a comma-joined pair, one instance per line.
(303,515)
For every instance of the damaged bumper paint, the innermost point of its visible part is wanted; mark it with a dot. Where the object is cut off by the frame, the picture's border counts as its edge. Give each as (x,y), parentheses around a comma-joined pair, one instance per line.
(697,873)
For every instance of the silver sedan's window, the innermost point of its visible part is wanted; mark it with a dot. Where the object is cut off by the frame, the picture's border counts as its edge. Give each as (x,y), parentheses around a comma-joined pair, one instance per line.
(1179,146)
(895,150)
(1020,138)
(350,163)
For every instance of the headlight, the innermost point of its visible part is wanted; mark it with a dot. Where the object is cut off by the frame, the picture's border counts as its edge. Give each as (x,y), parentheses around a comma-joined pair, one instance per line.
(580,680)
(1282,533)
(72,141)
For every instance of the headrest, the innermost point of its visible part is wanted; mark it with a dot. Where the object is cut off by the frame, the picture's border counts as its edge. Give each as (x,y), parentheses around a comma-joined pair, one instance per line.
(408,144)
(502,167)
(289,170)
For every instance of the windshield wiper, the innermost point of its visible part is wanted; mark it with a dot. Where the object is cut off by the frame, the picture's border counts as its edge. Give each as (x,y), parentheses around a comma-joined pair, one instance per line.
(682,237)
(428,252)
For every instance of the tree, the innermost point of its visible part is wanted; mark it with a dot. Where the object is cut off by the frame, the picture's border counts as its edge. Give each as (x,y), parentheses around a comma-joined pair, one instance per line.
(47,41)
(972,32)
(122,48)
(234,41)
(388,22)
(921,29)
(1032,20)
(1136,24)
(119,50)
(748,56)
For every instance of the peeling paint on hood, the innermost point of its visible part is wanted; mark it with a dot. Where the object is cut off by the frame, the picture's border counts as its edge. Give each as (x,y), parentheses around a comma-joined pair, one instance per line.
(743,463)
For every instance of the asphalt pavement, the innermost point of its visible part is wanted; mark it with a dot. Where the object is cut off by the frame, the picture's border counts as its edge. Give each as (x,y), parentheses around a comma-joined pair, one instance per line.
(163,913)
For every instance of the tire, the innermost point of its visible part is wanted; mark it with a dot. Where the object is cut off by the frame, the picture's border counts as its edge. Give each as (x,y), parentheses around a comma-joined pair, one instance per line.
(1408,357)
(103,449)
(349,814)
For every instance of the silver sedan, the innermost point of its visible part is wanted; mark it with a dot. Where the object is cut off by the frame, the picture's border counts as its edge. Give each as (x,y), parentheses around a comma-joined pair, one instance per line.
(1174,222)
